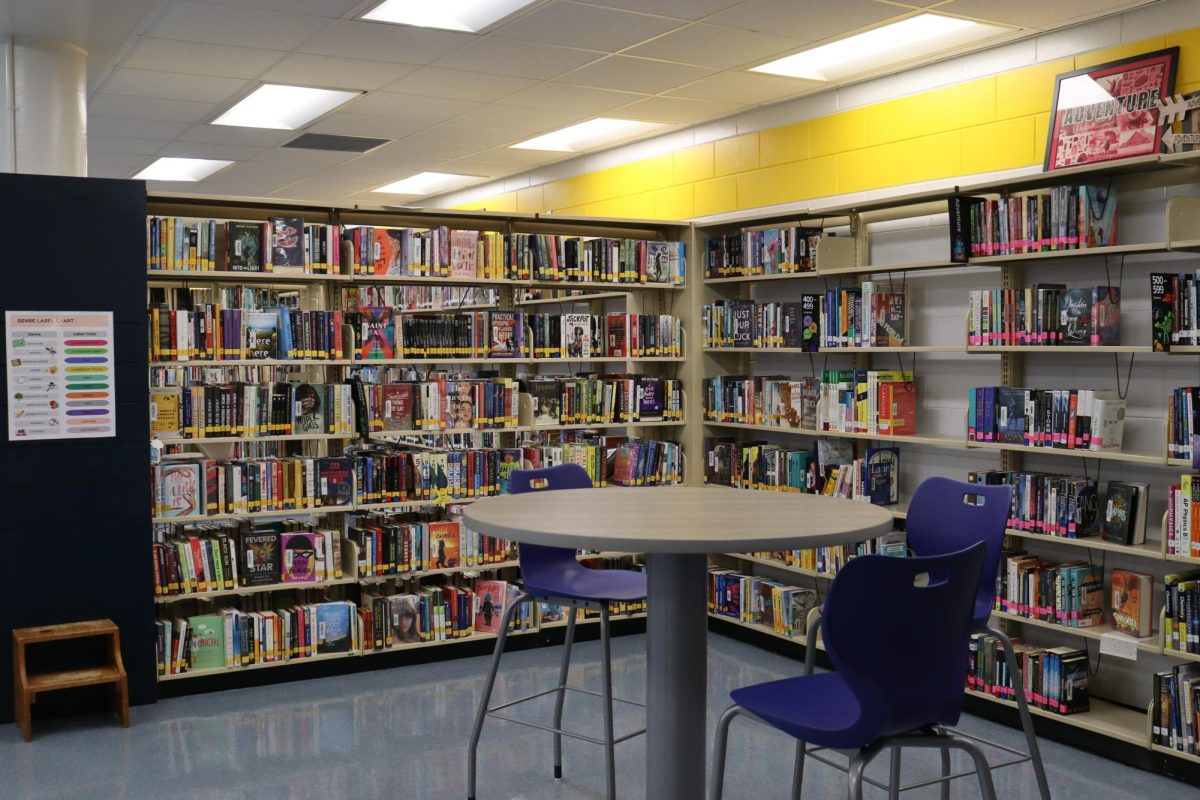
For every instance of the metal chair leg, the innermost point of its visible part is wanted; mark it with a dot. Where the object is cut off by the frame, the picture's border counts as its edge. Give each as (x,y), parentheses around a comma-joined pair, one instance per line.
(894,774)
(481,712)
(945,751)
(610,756)
(1014,671)
(717,786)
(854,776)
(810,646)
(798,771)
(562,693)
(984,772)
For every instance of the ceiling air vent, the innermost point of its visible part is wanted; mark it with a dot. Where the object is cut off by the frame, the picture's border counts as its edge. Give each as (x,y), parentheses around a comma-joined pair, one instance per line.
(343,144)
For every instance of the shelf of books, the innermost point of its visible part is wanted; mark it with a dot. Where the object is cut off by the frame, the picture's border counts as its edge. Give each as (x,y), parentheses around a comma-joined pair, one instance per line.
(796,425)
(330,387)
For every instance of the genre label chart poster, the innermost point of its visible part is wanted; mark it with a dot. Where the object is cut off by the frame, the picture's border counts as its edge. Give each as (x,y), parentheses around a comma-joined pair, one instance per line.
(61,375)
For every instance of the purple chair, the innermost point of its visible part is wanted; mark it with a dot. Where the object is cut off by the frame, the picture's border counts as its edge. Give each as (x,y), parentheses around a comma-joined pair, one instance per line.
(891,688)
(553,574)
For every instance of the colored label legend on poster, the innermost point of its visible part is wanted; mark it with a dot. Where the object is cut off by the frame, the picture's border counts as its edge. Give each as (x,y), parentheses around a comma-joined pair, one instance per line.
(61,375)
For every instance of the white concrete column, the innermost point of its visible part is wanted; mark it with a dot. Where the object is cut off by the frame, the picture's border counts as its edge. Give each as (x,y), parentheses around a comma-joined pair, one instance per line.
(43,90)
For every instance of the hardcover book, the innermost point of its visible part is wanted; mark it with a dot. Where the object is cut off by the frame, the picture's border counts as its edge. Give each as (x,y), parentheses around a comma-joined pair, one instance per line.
(309,409)
(658,262)
(333,627)
(577,335)
(287,245)
(378,331)
(1131,602)
(1075,316)
(182,490)
(491,598)
(208,641)
(261,558)
(1123,512)
(743,323)
(1100,217)
(883,475)
(402,609)
(443,545)
(1010,410)
(547,400)
(506,334)
(810,322)
(1162,309)
(336,481)
(1106,315)
(262,334)
(398,406)
(299,554)
(462,253)
(891,323)
(165,411)
(387,253)
(651,406)
(243,247)
(960,228)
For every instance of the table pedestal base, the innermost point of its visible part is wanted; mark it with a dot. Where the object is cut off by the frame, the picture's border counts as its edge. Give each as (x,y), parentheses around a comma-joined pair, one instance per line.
(677,678)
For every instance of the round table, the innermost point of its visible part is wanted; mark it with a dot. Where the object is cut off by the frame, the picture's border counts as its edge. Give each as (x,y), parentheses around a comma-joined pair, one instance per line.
(676,527)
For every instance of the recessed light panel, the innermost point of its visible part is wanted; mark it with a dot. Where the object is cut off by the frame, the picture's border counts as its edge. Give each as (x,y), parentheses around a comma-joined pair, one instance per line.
(587,135)
(281,107)
(181,169)
(908,39)
(469,16)
(426,183)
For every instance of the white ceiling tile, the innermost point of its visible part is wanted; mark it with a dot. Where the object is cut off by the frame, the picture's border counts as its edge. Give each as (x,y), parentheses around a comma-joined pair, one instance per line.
(584,26)
(329,72)
(229,134)
(459,85)
(522,59)
(680,9)
(134,128)
(106,170)
(123,145)
(346,124)
(713,46)
(1078,39)
(307,161)
(117,165)
(514,118)
(317,8)
(567,98)
(376,40)
(1035,13)
(412,152)
(677,110)
(634,74)
(310,191)
(196,58)
(466,135)
(149,108)
(228,152)
(475,166)
(806,20)
(410,107)
(239,27)
(172,85)
(748,88)
(513,158)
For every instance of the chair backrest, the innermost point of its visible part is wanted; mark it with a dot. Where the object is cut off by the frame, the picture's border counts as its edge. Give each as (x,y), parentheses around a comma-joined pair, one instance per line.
(539,560)
(946,515)
(896,631)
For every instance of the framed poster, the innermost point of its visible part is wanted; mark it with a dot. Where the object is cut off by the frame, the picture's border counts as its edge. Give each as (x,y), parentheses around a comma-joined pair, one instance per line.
(1110,111)
(61,376)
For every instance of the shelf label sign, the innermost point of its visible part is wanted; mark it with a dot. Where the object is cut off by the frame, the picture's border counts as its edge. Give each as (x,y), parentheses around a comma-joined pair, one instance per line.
(1119,645)
(61,376)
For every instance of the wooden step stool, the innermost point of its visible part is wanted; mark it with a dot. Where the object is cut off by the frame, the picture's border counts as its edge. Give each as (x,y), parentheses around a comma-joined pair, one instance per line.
(26,688)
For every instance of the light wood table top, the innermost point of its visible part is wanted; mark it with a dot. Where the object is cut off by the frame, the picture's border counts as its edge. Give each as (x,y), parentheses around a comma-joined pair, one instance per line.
(676,519)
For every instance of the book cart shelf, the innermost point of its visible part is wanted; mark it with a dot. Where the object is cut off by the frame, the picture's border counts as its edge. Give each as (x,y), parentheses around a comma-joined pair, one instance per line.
(845,260)
(322,292)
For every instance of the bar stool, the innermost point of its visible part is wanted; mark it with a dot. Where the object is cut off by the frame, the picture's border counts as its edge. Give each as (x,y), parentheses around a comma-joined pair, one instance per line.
(895,687)
(554,575)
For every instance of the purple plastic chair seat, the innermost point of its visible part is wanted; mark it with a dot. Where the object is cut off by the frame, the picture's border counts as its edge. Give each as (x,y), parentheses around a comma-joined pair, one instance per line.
(819,708)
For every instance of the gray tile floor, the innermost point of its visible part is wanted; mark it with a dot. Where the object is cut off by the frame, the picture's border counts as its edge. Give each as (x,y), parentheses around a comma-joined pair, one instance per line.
(401,734)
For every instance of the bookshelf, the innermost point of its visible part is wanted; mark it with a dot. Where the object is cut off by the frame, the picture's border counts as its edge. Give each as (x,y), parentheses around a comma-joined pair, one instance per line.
(421,295)
(901,238)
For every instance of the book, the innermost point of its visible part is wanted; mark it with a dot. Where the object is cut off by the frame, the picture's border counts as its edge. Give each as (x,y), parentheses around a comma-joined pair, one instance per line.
(181,490)
(377,333)
(883,475)
(658,261)
(960,228)
(243,247)
(1162,311)
(166,404)
(1125,513)
(1075,316)
(309,409)
(492,600)
(443,545)
(398,406)
(577,335)
(462,253)
(298,553)
(1099,217)
(334,621)
(208,641)
(287,242)
(1106,315)
(261,557)
(405,621)
(1132,604)
(1010,408)
(507,334)
(262,334)
(335,481)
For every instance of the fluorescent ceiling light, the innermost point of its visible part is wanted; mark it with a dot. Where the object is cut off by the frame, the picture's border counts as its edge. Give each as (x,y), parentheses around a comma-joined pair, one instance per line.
(586,135)
(274,105)
(425,183)
(451,15)
(181,169)
(901,41)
